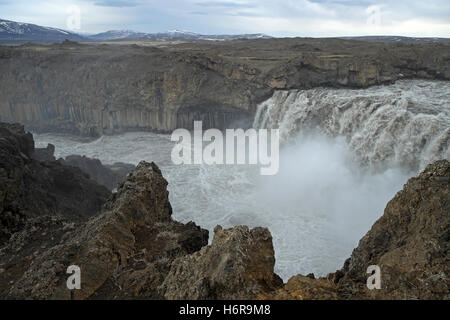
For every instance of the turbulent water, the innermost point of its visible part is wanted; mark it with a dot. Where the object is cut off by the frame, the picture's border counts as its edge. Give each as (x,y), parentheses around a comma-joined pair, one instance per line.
(345,155)
(406,124)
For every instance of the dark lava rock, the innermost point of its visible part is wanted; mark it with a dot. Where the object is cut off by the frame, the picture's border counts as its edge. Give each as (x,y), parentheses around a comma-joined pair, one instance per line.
(30,188)
(45,154)
(107,175)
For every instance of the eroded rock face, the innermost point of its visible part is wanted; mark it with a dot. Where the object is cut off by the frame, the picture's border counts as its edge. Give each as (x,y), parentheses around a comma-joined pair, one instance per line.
(123,252)
(30,188)
(237,265)
(108,176)
(45,154)
(410,243)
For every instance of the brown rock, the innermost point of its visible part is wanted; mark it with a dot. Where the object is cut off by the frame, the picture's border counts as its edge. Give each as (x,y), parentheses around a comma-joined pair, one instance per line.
(237,265)
(133,239)
(304,288)
(410,243)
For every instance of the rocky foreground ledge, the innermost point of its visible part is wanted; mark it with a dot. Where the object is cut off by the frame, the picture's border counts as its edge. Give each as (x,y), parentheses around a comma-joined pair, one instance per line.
(133,249)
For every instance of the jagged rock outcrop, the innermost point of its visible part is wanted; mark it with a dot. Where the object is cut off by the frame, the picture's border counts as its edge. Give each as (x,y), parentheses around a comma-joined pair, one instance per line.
(45,154)
(94,90)
(106,175)
(410,243)
(123,252)
(30,188)
(237,265)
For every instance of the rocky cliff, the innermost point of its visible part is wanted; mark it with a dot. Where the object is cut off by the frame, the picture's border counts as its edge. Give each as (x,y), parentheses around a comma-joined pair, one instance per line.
(133,249)
(106,175)
(30,188)
(93,90)
(410,243)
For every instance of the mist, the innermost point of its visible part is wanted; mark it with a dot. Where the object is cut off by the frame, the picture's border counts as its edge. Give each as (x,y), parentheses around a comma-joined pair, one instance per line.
(322,191)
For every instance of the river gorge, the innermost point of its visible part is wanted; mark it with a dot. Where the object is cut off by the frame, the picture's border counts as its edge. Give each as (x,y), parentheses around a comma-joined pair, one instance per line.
(345,154)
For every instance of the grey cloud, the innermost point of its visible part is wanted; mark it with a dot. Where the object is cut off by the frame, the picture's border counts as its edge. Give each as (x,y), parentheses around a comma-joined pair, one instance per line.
(116,3)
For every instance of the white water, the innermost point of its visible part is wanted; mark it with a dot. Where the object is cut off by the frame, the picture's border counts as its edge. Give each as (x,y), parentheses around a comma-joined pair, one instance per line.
(333,183)
(406,124)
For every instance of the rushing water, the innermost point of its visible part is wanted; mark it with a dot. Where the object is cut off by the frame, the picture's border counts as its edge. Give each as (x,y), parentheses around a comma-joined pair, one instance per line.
(346,153)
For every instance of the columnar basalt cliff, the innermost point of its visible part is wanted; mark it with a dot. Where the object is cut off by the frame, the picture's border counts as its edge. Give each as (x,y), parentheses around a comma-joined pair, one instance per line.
(93,90)
(133,249)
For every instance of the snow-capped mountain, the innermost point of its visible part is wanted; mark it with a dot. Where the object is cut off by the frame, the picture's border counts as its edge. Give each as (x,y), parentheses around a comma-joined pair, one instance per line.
(116,35)
(10,30)
(171,35)
(17,31)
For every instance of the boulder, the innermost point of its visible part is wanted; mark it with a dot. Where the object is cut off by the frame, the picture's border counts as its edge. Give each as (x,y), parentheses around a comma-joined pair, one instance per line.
(237,265)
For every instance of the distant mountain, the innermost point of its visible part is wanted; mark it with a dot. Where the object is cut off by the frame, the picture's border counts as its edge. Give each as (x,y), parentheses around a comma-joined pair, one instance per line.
(11,31)
(17,31)
(397,39)
(116,35)
(172,35)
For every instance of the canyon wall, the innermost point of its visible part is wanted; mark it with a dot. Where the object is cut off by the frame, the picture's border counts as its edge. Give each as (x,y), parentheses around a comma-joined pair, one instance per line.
(93,90)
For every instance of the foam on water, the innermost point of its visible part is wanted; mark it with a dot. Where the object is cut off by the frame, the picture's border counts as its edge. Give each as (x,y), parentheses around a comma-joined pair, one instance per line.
(346,154)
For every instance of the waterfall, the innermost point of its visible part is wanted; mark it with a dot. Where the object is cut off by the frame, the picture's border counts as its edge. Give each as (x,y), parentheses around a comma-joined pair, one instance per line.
(402,125)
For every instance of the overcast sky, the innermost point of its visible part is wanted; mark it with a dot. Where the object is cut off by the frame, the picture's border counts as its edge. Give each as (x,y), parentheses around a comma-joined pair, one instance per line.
(315,18)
